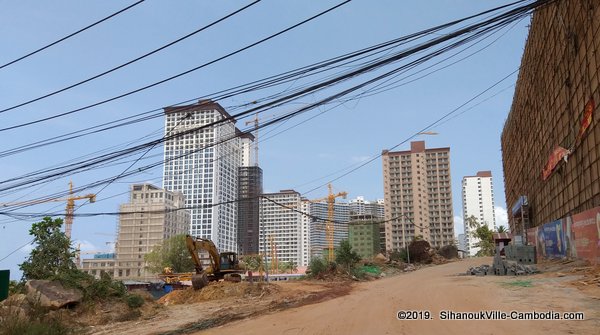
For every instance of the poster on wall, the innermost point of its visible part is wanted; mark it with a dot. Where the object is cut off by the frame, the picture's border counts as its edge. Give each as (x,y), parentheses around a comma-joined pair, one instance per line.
(585,230)
(569,240)
(551,240)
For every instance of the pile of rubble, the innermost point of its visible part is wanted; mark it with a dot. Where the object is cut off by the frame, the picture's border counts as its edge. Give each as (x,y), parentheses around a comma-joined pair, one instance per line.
(483,270)
(503,267)
(217,291)
(513,268)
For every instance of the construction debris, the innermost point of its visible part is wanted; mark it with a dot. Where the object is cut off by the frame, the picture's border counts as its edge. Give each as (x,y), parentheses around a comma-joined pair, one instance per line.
(482,270)
(218,290)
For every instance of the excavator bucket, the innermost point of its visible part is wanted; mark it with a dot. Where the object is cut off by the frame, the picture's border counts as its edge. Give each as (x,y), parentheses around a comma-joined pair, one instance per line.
(199,281)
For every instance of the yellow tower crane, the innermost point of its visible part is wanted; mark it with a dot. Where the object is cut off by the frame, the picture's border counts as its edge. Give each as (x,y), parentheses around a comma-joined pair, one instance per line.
(70,205)
(329,227)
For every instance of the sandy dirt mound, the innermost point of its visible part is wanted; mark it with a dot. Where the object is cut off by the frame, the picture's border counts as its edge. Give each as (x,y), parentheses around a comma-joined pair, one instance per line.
(218,290)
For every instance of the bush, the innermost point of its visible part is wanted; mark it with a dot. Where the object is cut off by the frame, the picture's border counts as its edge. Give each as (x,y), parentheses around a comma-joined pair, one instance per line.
(317,266)
(449,251)
(357,272)
(399,256)
(16,287)
(134,300)
(106,287)
(92,288)
(419,251)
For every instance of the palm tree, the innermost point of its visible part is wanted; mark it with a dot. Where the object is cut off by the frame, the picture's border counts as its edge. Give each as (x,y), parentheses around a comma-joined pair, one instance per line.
(502,229)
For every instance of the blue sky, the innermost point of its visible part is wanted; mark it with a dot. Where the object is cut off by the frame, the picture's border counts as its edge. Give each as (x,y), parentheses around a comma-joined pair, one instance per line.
(302,157)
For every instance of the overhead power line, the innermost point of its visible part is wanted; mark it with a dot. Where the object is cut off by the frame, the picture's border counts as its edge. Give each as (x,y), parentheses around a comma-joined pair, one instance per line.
(427,128)
(267,82)
(181,74)
(72,34)
(131,61)
(85,165)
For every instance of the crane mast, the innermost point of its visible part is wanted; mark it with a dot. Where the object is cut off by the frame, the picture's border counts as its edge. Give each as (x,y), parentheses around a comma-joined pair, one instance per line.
(69,210)
(329,226)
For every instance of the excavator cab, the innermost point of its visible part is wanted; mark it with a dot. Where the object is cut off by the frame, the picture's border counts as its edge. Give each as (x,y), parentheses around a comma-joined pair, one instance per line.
(229,261)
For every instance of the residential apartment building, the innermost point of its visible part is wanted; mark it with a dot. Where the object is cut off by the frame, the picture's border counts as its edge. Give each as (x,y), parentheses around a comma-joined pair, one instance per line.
(306,221)
(281,226)
(101,263)
(418,196)
(319,245)
(202,154)
(363,235)
(151,216)
(478,202)
(360,206)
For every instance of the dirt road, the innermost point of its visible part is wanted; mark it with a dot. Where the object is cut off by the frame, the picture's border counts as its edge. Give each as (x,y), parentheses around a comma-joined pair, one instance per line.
(372,306)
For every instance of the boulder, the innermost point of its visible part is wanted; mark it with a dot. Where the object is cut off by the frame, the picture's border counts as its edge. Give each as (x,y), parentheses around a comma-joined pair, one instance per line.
(52,294)
(15,306)
(17,300)
(380,258)
(12,312)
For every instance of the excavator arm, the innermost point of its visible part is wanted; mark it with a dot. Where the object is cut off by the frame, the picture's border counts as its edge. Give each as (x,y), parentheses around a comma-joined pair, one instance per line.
(196,244)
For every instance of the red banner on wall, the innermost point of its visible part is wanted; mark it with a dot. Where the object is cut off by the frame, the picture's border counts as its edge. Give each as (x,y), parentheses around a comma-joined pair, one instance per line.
(558,154)
(585,230)
(588,113)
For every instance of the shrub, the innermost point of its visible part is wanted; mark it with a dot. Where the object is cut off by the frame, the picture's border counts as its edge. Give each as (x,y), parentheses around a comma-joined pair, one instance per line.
(92,288)
(419,251)
(134,300)
(357,272)
(317,266)
(449,251)
(399,256)
(106,287)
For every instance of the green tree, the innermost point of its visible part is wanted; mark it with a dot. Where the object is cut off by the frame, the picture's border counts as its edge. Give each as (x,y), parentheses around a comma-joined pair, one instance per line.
(345,256)
(317,267)
(288,267)
(484,235)
(502,229)
(171,253)
(53,254)
(293,267)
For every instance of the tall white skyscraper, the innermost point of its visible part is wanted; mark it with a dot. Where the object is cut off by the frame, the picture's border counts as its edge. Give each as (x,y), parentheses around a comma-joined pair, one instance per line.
(478,201)
(203,165)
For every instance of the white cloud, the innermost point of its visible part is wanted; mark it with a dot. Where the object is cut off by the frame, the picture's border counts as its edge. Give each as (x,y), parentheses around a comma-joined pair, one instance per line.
(459,226)
(84,245)
(501,216)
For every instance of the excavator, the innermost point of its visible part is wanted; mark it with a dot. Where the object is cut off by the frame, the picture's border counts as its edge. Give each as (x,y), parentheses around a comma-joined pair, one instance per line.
(223,265)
